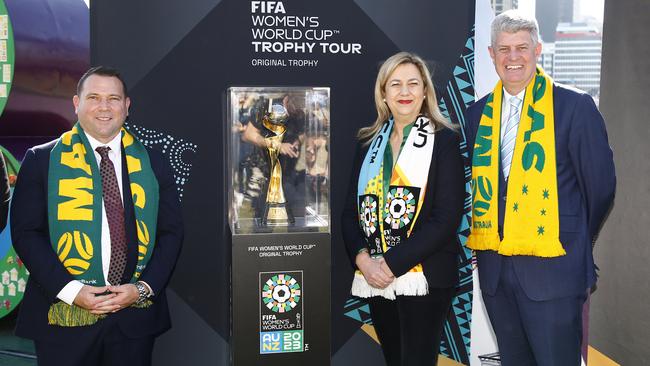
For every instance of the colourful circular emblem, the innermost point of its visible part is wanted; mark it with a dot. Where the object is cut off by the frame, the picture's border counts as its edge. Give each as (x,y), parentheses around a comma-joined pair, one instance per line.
(368,215)
(401,205)
(281,293)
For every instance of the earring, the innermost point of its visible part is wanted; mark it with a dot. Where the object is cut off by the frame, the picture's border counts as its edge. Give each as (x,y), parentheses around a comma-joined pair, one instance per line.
(384,100)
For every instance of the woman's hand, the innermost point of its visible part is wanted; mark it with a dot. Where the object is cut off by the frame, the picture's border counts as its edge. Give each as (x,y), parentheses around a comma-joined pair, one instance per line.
(384,268)
(372,270)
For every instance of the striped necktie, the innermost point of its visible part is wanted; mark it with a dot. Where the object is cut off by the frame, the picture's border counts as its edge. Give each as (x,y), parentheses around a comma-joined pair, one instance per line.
(510,135)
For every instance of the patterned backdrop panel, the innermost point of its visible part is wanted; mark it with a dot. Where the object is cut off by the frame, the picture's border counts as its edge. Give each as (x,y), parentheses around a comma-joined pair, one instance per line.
(456,97)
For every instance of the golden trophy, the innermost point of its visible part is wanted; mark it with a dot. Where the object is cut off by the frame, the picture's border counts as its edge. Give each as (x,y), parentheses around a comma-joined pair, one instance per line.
(276,212)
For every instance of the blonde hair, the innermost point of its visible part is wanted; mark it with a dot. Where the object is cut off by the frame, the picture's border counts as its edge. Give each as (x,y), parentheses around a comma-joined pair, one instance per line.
(429,106)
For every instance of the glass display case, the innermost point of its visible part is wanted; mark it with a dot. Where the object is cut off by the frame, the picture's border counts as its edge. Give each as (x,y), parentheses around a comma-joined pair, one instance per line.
(278,159)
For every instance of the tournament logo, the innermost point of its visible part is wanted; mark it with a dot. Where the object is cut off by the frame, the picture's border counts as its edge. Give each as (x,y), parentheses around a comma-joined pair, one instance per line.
(281,312)
(368,215)
(368,206)
(281,293)
(400,204)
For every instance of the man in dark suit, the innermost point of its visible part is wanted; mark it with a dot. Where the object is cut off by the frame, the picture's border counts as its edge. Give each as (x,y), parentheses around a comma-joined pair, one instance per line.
(535,302)
(117,315)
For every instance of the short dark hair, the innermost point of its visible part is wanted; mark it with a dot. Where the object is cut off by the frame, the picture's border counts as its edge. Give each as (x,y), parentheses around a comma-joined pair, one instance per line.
(101,71)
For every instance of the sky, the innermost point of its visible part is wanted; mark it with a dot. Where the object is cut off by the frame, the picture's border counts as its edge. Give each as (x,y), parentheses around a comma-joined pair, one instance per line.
(592,8)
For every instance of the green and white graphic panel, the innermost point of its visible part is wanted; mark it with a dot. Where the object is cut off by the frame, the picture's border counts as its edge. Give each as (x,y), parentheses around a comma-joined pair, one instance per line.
(13,274)
(6,55)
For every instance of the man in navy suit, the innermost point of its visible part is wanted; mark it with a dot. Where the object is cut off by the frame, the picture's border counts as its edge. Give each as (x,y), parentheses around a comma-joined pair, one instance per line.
(131,313)
(535,303)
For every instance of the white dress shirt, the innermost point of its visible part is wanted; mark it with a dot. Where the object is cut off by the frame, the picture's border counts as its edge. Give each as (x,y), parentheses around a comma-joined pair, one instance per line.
(70,291)
(505,109)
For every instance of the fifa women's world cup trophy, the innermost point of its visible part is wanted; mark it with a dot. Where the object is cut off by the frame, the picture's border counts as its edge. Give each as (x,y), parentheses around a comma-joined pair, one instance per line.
(276,211)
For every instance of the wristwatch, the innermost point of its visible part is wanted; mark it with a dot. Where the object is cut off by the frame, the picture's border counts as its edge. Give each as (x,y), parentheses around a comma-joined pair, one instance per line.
(143,292)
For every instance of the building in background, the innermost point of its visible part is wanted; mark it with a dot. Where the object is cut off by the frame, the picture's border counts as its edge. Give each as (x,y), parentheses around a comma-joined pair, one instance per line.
(547,58)
(576,60)
(550,13)
(500,6)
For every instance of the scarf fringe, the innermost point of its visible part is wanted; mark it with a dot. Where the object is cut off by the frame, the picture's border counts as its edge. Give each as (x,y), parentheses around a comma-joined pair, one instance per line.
(488,241)
(65,315)
(408,284)
(144,305)
(411,284)
(547,249)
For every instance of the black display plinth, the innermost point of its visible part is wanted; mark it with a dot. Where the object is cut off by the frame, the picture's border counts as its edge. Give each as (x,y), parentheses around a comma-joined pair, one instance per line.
(281,299)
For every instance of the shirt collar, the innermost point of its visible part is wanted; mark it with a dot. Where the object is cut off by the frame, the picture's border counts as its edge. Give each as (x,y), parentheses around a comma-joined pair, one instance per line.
(407,129)
(507,96)
(115,144)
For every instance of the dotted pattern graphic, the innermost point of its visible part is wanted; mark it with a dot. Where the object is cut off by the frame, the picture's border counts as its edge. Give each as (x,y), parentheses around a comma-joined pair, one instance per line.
(177,151)
(114,215)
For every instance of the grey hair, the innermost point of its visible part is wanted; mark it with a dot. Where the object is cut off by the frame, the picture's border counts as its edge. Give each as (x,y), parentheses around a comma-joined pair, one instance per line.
(513,21)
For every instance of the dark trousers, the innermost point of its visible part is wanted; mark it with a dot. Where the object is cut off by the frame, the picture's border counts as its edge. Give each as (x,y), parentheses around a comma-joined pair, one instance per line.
(410,327)
(536,333)
(104,345)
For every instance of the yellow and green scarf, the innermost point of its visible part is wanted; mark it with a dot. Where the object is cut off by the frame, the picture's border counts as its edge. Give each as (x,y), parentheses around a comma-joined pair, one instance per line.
(75,213)
(531,224)
(387,219)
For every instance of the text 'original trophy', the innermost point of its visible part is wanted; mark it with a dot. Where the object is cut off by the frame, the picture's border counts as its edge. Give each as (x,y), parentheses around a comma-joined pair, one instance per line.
(276,211)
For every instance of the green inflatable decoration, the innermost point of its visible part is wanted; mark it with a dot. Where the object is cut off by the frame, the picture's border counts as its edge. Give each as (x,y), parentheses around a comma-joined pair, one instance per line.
(13,274)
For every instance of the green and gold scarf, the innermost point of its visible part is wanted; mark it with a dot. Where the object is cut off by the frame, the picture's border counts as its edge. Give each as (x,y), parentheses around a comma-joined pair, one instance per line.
(75,213)
(531,224)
